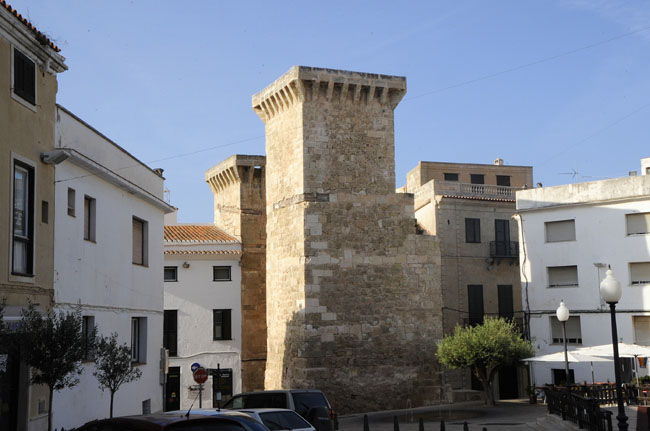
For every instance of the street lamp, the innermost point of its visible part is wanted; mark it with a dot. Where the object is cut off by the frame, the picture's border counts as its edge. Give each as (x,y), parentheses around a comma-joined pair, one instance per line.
(562,314)
(610,291)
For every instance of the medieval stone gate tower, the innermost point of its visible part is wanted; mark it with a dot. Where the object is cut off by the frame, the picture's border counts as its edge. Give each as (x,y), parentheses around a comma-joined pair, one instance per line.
(353,289)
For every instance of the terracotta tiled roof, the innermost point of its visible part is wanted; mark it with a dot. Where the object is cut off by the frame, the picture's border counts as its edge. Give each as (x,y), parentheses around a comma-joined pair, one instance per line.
(188,252)
(39,36)
(196,233)
(479,198)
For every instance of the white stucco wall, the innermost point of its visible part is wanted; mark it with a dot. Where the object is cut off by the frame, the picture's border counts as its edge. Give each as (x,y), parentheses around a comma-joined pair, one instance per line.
(599,210)
(101,277)
(195,295)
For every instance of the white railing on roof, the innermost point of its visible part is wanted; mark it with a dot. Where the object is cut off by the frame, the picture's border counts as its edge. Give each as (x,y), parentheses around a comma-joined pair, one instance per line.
(454,188)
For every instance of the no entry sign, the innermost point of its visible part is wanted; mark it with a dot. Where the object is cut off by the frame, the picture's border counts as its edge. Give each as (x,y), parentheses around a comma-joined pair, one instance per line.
(200,375)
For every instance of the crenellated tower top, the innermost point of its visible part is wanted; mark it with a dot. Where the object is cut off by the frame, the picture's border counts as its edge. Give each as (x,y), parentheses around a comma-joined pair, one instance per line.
(302,84)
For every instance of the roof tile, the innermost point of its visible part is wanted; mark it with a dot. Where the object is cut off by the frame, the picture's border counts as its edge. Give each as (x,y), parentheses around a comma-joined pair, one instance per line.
(39,36)
(200,252)
(196,233)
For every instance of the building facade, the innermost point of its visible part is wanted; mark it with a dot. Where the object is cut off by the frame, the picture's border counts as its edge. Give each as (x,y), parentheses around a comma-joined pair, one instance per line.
(469,207)
(108,226)
(569,236)
(30,63)
(203,323)
(352,286)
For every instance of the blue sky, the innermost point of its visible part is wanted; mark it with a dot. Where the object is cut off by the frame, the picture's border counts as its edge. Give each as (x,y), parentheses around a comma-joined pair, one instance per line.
(164,79)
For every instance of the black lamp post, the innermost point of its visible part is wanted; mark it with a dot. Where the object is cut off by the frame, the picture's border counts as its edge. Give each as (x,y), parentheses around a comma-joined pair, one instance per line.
(610,291)
(562,314)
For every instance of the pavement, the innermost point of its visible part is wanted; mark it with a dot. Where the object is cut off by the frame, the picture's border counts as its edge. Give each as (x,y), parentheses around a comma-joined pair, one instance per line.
(509,415)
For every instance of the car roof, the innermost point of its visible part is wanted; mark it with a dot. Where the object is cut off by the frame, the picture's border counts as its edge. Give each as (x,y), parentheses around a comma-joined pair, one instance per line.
(265,410)
(152,421)
(280,391)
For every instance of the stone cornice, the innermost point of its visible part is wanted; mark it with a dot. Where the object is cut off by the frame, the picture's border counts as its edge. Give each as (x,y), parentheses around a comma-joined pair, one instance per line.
(302,84)
(235,169)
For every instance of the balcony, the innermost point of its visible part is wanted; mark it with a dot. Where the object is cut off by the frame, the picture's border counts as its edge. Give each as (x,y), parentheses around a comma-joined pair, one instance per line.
(504,249)
(453,188)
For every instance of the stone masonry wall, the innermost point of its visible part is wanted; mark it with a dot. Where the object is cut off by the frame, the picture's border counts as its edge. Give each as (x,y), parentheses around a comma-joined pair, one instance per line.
(238,185)
(352,290)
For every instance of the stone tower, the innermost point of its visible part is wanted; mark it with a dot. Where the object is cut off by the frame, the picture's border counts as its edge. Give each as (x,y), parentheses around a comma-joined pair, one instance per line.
(239,209)
(353,290)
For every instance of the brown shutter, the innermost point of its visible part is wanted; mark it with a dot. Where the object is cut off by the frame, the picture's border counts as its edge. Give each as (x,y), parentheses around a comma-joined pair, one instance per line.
(137,242)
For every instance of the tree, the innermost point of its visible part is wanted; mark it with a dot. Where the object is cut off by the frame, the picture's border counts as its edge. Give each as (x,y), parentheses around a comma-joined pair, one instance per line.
(113,365)
(54,346)
(485,349)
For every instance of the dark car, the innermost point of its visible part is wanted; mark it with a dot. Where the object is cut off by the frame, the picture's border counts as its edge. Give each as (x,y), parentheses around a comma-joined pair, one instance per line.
(249,422)
(311,404)
(158,422)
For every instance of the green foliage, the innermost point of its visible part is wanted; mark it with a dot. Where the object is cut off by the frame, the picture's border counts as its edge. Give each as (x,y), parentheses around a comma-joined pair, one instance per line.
(54,346)
(113,365)
(495,342)
(484,348)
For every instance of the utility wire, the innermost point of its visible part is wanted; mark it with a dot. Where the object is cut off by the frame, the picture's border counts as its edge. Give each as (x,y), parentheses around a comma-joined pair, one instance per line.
(525,65)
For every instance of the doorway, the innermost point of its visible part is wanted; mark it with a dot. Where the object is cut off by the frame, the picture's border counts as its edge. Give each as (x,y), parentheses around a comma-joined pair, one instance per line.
(173,389)
(508,383)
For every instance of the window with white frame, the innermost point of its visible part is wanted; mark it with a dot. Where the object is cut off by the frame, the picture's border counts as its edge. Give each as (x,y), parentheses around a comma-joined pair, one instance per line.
(140,240)
(221,325)
(24,77)
(171,273)
(639,273)
(638,223)
(23,220)
(139,340)
(89,218)
(641,330)
(221,273)
(71,197)
(573,331)
(88,332)
(562,230)
(562,276)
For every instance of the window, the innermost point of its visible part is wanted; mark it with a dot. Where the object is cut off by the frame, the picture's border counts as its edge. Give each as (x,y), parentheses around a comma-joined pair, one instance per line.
(562,276)
(450,177)
(639,273)
(559,376)
(171,273)
(24,77)
(638,224)
(140,236)
(88,331)
(170,331)
(573,332)
(477,178)
(23,220)
(221,273)
(139,340)
(563,230)
(503,180)
(506,304)
(71,197)
(472,230)
(641,330)
(89,218)
(45,212)
(221,325)
(475,304)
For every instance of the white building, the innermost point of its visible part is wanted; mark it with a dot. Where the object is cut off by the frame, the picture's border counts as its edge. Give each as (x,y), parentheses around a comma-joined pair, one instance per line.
(108,248)
(202,313)
(568,236)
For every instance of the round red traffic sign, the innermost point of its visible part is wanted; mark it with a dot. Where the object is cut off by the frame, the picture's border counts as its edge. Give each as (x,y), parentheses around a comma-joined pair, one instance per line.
(200,375)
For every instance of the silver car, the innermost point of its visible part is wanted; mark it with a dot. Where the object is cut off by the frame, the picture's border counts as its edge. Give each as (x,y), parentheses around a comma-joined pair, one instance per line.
(279,419)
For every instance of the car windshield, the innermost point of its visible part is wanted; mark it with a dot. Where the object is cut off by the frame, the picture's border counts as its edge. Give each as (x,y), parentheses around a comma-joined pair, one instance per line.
(286,420)
(254,401)
(304,401)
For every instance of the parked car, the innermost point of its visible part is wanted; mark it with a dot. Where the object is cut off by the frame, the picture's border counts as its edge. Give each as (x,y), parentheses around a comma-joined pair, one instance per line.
(249,422)
(311,404)
(280,419)
(157,422)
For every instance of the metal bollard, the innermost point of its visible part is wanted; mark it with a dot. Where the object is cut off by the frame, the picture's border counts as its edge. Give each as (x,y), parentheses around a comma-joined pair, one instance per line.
(442,425)
(465,426)
(420,424)
(366,425)
(395,424)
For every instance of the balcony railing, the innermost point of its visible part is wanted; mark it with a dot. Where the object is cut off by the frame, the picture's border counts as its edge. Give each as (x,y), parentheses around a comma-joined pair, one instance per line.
(454,188)
(502,249)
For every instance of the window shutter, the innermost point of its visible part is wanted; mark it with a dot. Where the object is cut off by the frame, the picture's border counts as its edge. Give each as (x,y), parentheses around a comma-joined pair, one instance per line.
(638,223)
(137,242)
(642,330)
(640,272)
(564,230)
(227,335)
(562,276)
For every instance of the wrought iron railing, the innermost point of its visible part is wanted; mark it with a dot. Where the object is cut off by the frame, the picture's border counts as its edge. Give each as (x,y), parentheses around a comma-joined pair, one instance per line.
(502,249)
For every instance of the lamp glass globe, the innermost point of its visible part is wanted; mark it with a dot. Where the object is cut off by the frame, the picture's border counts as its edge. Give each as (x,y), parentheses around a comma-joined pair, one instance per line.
(610,288)
(562,312)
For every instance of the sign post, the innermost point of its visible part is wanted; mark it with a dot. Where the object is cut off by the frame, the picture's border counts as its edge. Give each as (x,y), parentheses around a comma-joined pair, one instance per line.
(200,377)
